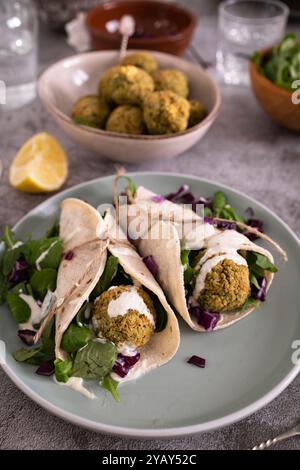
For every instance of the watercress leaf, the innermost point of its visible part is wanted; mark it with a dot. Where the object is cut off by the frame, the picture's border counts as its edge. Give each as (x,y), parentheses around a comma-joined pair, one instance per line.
(108,275)
(75,337)
(63,369)
(19,289)
(219,200)
(188,275)
(230,214)
(48,348)
(81,318)
(49,330)
(10,257)
(42,281)
(257,260)
(207,212)
(19,309)
(95,360)
(111,385)
(4,286)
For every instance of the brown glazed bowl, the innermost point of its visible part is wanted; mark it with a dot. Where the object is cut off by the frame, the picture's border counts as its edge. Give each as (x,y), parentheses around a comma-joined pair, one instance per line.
(160,26)
(275,101)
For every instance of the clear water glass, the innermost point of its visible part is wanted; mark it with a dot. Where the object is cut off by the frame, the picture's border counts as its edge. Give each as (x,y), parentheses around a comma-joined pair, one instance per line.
(244,27)
(18,53)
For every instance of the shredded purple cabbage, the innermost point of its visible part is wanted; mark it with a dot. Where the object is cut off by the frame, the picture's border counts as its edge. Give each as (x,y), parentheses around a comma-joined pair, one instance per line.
(151,265)
(27,336)
(158,198)
(226,225)
(205,318)
(123,364)
(19,272)
(255,223)
(197,361)
(69,255)
(46,369)
(178,194)
(261,293)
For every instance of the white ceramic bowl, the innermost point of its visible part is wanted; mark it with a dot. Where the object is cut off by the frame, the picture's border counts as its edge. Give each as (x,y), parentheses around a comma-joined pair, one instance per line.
(69,79)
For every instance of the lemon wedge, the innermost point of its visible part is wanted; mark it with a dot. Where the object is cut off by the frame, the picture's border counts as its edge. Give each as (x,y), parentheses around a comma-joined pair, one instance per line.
(40,166)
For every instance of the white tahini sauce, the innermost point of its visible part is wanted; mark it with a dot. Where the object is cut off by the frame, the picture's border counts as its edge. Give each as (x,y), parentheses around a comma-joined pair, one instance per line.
(37,312)
(43,255)
(76,383)
(223,245)
(129,300)
(127,349)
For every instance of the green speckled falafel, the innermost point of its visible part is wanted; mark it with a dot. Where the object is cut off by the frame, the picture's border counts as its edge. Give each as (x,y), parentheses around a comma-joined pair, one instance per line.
(126,119)
(227,287)
(165,112)
(142,60)
(125,84)
(91,110)
(133,328)
(172,80)
(197,112)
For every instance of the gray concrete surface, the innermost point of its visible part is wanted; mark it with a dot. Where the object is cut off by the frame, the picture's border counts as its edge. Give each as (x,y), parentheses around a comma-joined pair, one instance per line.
(244,150)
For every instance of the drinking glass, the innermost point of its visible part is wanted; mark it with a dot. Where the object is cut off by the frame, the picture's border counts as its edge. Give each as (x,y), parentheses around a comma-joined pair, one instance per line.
(244,27)
(18,53)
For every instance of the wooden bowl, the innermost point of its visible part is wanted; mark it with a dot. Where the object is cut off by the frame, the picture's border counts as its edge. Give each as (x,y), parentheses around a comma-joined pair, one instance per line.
(275,101)
(160,26)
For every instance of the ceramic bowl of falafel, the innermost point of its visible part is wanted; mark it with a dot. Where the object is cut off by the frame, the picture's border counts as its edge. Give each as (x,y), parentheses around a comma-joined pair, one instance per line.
(147,106)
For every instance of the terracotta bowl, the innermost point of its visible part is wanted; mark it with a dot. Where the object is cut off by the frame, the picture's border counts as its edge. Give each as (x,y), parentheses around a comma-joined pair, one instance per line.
(275,101)
(79,75)
(160,26)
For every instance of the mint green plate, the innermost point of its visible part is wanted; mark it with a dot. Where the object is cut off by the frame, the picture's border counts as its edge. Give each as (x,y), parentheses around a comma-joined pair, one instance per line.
(248,365)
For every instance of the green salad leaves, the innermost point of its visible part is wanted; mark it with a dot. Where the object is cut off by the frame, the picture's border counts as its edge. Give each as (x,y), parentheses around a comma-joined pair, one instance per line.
(282,64)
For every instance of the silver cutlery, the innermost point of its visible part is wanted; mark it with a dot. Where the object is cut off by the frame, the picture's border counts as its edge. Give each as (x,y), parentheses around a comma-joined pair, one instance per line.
(286,435)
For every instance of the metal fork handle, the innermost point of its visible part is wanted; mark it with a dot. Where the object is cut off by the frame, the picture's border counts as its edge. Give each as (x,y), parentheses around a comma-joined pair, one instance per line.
(270,442)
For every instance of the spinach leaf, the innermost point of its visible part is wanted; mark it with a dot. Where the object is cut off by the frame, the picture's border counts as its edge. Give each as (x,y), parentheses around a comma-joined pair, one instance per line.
(19,309)
(63,370)
(250,302)
(43,280)
(75,337)
(30,356)
(253,280)
(52,247)
(161,315)
(259,263)
(4,286)
(19,289)
(54,230)
(81,315)
(108,275)
(10,257)
(111,385)
(95,360)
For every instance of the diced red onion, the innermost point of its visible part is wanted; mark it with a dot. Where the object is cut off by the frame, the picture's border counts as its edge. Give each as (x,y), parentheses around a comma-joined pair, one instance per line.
(205,318)
(158,198)
(151,265)
(123,364)
(197,361)
(208,220)
(27,336)
(260,294)
(178,194)
(69,255)
(19,272)
(46,369)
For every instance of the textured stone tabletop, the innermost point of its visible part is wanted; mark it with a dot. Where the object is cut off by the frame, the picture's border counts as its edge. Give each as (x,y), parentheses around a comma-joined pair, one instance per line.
(244,150)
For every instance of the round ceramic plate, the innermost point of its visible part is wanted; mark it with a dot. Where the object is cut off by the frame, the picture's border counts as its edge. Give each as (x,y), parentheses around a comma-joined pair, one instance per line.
(248,364)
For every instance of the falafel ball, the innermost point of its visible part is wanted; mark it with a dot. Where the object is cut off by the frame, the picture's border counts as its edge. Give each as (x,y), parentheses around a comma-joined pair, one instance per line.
(125,84)
(130,326)
(197,112)
(91,110)
(172,80)
(142,60)
(226,288)
(165,112)
(126,119)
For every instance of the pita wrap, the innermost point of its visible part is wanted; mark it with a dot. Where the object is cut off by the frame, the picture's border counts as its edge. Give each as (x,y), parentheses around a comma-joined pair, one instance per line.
(166,218)
(80,228)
